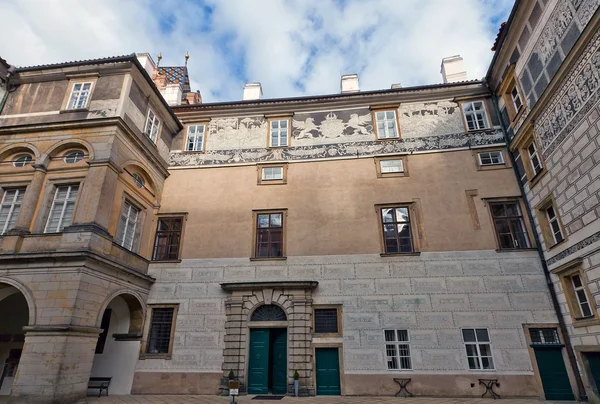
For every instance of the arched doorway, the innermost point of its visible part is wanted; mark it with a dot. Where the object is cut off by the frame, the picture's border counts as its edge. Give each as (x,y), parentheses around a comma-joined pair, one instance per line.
(14,315)
(267,359)
(118,345)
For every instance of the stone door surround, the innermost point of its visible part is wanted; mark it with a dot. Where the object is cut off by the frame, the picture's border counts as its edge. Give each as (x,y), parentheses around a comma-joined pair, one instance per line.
(295,298)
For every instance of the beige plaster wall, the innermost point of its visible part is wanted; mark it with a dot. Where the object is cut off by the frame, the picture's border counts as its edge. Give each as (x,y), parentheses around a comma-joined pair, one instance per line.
(331,205)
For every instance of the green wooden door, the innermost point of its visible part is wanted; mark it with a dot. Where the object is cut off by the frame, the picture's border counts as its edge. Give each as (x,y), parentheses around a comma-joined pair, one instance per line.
(279,360)
(553,372)
(594,362)
(328,371)
(258,365)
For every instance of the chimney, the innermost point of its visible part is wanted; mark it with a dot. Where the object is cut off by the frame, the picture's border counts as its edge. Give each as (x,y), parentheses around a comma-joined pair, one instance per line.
(397,85)
(193,97)
(453,69)
(147,63)
(252,91)
(349,83)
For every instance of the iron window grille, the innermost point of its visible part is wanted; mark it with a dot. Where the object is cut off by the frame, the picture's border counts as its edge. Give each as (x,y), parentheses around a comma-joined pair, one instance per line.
(547,336)
(326,321)
(397,349)
(159,335)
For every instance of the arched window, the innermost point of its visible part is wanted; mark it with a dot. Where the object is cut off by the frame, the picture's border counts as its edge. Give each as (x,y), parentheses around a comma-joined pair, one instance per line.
(74,156)
(22,160)
(268,312)
(138,180)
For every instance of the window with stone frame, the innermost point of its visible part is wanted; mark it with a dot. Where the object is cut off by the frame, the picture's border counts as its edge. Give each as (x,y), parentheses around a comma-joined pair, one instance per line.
(152,126)
(386,124)
(509,225)
(128,223)
(167,241)
(279,131)
(511,94)
(580,302)
(80,94)
(396,227)
(160,330)
(10,207)
(550,223)
(63,206)
(269,234)
(397,349)
(195,138)
(530,155)
(327,320)
(475,115)
(478,348)
(490,158)
(581,295)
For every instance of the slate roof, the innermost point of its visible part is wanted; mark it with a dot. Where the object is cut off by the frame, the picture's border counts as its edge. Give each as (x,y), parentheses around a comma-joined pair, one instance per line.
(176,75)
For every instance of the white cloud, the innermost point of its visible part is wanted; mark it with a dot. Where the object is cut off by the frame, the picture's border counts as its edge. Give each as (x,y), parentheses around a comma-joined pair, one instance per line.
(294,47)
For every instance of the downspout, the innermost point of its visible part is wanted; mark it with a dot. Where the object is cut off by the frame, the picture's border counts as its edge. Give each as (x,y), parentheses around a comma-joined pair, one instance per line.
(11,69)
(561,320)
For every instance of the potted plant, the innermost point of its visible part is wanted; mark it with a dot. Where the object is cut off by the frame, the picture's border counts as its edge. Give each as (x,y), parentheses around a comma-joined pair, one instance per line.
(231,376)
(296,382)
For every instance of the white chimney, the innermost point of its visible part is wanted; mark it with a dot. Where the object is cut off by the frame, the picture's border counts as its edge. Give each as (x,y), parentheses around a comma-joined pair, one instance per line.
(453,69)
(147,63)
(397,85)
(172,94)
(349,83)
(252,91)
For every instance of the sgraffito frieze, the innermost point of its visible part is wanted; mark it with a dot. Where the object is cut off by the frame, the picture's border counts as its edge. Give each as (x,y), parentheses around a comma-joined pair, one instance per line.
(578,93)
(430,118)
(365,148)
(332,127)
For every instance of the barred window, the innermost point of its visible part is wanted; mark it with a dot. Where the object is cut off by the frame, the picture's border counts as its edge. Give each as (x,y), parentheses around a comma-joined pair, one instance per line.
(544,336)
(168,239)
(326,321)
(161,327)
(397,349)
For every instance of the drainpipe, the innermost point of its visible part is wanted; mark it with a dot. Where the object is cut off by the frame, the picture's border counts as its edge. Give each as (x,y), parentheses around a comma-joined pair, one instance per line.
(11,69)
(561,320)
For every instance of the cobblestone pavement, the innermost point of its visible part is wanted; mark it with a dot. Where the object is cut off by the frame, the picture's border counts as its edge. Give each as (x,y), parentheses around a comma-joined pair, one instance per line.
(304,400)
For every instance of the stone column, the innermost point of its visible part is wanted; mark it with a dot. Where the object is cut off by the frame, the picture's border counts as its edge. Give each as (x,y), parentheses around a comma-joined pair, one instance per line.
(96,198)
(30,200)
(55,364)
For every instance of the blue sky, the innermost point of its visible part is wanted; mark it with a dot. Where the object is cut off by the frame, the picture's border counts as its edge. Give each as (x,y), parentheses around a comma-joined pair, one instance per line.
(293,47)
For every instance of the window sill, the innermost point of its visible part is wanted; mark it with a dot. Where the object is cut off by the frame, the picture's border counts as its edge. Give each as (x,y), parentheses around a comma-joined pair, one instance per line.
(188,151)
(410,254)
(277,147)
(585,321)
(155,356)
(388,138)
(268,258)
(536,178)
(392,175)
(505,250)
(517,116)
(492,167)
(177,261)
(325,335)
(272,182)
(489,130)
(66,111)
(556,245)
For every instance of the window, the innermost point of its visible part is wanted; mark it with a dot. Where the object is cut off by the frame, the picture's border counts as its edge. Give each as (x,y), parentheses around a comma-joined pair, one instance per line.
(396,230)
(272,173)
(555,228)
(74,156)
(195,138)
(397,349)
(22,160)
(168,238)
(479,350)
(79,95)
(391,166)
(279,132)
(386,124)
(490,158)
(160,331)
(534,158)
(585,310)
(152,125)
(475,115)
(104,325)
(326,321)
(509,225)
(516,98)
(269,235)
(61,212)
(9,208)
(127,225)
(138,180)
(544,336)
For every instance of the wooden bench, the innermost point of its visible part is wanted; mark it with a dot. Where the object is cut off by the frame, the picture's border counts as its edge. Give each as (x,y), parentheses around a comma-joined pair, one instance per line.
(489,387)
(100,383)
(402,383)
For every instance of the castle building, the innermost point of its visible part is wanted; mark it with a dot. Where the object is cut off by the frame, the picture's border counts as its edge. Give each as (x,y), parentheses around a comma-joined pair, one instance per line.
(438,235)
